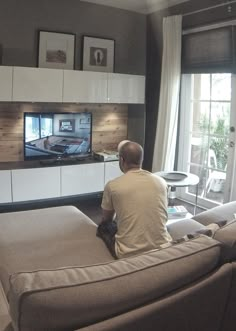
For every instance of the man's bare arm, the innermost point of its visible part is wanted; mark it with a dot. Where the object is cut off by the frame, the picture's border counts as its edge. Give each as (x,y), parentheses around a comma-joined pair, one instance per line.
(107,215)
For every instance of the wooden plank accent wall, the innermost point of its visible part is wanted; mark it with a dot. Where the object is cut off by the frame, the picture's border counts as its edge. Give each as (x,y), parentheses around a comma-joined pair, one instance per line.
(110,122)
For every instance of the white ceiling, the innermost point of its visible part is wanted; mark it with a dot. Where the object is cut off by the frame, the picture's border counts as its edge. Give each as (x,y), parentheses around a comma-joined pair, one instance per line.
(140,6)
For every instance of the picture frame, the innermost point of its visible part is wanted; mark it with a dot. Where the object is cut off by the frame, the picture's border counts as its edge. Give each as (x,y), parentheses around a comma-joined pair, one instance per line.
(56,50)
(67,125)
(98,54)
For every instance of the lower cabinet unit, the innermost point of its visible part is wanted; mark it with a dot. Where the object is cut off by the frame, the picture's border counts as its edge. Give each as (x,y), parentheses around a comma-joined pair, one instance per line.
(34,184)
(21,185)
(82,179)
(5,186)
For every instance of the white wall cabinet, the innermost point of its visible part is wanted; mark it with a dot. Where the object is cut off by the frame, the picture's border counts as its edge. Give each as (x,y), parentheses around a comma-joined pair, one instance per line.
(27,84)
(34,184)
(5,186)
(82,179)
(112,170)
(84,86)
(37,84)
(6,83)
(126,88)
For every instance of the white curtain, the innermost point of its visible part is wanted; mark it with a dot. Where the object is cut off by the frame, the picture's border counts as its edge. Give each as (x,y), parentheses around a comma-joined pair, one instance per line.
(165,142)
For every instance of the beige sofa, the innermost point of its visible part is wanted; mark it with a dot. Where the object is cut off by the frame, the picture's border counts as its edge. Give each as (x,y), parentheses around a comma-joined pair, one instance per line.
(57,275)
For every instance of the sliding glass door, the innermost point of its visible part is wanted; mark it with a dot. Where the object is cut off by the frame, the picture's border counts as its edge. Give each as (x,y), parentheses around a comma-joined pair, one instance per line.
(207,136)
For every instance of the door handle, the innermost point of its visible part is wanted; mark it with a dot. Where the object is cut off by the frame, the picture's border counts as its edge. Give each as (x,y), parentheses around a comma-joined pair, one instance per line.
(231,144)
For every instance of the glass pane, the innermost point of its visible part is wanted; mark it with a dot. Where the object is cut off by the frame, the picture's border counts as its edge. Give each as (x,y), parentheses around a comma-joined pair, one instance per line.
(199,148)
(221,87)
(201,115)
(201,87)
(220,118)
(46,127)
(201,172)
(214,187)
(31,128)
(219,152)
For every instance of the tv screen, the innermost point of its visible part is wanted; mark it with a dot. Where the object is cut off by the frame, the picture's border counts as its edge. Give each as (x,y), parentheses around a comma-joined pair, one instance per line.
(53,135)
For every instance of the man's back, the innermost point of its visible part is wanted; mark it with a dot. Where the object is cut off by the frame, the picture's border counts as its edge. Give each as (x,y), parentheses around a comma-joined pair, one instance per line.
(140,201)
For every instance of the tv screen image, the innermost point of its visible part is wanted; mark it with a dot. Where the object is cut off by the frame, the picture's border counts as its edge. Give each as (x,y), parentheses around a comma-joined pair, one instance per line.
(54,135)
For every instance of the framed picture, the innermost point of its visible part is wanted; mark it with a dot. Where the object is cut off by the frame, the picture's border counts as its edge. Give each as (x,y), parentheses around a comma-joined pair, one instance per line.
(56,50)
(67,125)
(98,54)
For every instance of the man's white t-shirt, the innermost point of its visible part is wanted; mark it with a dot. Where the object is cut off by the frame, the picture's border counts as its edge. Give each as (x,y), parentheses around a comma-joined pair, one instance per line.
(139,199)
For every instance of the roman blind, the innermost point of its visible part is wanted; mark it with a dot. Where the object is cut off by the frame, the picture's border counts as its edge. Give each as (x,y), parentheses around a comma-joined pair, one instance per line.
(209,51)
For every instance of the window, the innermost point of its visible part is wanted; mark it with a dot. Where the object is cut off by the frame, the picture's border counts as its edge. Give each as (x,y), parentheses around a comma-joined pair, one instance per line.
(38,126)
(204,132)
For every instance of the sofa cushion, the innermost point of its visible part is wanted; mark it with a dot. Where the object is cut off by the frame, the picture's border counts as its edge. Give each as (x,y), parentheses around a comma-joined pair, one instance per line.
(227,236)
(73,297)
(48,238)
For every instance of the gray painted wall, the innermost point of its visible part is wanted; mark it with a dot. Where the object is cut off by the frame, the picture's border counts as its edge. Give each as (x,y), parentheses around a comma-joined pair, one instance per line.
(21,20)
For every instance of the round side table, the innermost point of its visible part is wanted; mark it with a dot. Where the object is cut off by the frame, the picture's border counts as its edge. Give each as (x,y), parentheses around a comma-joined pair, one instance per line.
(180,179)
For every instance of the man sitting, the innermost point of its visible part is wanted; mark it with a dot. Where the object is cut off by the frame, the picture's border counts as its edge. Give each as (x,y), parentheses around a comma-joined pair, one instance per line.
(138,199)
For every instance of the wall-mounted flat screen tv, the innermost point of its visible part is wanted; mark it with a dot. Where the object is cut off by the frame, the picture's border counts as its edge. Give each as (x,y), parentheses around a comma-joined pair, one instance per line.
(54,135)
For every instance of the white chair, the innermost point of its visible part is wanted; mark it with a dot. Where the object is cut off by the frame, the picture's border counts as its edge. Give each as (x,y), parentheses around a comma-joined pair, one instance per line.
(216,178)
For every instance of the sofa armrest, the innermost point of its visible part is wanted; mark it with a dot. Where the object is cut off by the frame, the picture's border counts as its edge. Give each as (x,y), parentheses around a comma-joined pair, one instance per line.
(217,214)
(183,227)
(226,234)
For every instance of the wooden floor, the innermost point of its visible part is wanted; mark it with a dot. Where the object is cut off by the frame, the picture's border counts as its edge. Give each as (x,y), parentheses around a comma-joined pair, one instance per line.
(91,206)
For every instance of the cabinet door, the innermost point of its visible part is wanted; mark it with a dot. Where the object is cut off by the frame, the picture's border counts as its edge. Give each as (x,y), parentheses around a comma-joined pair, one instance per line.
(6,83)
(126,88)
(33,184)
(82,179)
(112,170)
(37,84)
(5,187)
(84,86)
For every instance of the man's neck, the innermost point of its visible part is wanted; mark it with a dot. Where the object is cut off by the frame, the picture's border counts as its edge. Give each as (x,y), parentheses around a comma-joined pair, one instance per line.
(132,169)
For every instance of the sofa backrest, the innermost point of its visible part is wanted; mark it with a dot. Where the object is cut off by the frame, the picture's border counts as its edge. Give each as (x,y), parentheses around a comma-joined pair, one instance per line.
(75,297)
(229,321)
(198,307)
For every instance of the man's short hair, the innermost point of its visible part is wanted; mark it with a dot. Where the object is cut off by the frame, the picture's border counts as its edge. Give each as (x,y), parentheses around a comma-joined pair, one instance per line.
(121,143)
(132,153)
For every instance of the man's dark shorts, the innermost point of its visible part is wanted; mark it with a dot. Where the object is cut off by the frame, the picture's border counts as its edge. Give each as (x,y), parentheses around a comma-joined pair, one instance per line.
(106,231)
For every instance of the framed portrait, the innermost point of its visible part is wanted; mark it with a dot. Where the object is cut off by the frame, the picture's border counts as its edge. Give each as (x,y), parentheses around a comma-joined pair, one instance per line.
(56,50)
(98,54)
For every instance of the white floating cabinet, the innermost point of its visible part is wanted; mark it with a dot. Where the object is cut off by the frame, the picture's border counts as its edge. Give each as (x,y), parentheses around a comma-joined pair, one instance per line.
(6,83)
(37,84)
(112,170)
(28,84)
(34,184)
(82,179)
(124,88)
(5,186)
(84,86)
